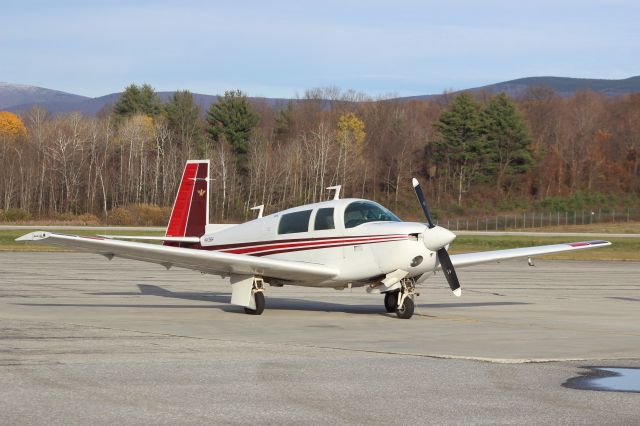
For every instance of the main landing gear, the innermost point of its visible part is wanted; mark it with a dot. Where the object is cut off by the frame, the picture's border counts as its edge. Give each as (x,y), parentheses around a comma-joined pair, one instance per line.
(401,301)
(257,292)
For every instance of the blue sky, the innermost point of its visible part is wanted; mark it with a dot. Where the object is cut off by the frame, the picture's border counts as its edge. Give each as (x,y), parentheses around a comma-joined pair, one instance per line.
(280,48)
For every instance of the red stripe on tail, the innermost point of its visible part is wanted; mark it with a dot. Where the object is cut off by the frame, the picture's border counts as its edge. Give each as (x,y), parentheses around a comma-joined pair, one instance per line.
(190,212)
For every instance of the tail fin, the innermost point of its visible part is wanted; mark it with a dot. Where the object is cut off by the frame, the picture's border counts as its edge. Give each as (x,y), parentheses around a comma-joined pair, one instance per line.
(190,213)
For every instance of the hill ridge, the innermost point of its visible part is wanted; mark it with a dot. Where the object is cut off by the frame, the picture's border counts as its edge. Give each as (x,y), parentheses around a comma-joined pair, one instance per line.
(20,97)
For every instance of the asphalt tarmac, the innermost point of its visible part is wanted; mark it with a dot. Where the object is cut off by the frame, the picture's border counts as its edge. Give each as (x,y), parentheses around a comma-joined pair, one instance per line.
(88,341)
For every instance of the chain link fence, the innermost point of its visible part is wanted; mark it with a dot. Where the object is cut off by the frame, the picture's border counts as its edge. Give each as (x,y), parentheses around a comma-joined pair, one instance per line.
(528,220)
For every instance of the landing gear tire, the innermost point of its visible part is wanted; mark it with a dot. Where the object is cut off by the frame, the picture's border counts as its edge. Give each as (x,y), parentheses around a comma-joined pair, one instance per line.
(259,299)
(406,310)
(391,301)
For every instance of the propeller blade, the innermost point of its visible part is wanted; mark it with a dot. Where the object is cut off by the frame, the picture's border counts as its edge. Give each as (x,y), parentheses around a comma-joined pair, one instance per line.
(443,256)
(423,201)
(449,272)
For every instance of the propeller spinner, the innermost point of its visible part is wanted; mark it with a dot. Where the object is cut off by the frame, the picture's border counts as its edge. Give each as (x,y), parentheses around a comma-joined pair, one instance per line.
(440,242)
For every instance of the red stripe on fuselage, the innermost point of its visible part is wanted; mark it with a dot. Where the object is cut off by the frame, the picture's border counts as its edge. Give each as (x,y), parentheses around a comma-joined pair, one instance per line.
(289,250)
(285,246)
(294,240)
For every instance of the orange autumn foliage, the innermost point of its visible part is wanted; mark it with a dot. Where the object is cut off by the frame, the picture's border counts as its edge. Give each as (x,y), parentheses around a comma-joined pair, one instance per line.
(11,127)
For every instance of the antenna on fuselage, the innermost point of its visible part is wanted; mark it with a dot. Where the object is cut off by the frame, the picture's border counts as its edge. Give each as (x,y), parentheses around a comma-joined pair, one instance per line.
(260,209)
(336,194)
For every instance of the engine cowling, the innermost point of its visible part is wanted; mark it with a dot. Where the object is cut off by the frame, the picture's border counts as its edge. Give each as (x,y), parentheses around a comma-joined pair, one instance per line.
(437,237)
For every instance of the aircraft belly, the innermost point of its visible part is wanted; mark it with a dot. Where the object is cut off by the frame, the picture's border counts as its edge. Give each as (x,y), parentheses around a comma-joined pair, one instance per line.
(356,263)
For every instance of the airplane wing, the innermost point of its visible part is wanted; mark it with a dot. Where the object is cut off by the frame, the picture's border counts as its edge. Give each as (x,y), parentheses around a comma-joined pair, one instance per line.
(192,240)
(213,262)
(468,259)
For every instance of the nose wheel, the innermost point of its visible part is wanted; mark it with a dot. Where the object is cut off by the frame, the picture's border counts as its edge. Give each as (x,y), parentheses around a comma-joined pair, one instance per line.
(401,301)
(405,311)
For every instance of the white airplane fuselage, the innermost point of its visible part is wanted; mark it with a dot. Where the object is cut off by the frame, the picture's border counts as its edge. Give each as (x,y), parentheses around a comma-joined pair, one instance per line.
(363,253)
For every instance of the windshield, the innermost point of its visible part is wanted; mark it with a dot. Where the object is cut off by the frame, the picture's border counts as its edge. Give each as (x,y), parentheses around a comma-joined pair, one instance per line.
(360,212)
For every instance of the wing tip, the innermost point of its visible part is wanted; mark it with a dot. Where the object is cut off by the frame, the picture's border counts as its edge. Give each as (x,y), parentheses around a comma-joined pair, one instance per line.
(457,292)
(33,236)
(587,244)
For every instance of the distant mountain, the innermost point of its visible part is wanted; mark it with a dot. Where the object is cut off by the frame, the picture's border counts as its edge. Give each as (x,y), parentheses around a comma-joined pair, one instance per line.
(60,102)
(564,86)
(18,97)
(17,94)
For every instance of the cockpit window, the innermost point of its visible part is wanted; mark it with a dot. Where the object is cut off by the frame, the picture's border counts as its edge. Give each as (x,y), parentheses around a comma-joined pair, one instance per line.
(360,212)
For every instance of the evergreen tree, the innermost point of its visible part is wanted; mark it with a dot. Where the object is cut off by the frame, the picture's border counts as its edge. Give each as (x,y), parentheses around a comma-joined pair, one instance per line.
(462,145)
(284,122)
(232,119)
(138,100)
(508,139)
(183,116)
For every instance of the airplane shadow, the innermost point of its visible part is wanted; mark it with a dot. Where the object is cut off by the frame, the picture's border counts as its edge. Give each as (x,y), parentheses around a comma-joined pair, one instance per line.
(154,290)
(469,304)
(275,303)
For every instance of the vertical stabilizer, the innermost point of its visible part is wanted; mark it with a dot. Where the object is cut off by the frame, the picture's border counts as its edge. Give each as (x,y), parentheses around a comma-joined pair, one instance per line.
(190,212)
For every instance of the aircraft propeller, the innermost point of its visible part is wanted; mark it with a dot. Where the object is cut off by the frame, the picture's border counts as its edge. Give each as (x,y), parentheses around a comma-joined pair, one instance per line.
(442,235)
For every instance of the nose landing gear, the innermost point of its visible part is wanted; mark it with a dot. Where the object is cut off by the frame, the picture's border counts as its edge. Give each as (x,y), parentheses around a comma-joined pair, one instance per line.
(405,310)
(401,301)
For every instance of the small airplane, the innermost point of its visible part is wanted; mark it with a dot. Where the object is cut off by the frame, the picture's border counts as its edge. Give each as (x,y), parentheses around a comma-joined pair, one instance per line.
(340,243)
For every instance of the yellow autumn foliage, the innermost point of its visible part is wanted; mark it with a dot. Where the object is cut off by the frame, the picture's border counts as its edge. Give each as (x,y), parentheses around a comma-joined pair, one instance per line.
(11,127)
(147,122)
(351,129)
(136,130)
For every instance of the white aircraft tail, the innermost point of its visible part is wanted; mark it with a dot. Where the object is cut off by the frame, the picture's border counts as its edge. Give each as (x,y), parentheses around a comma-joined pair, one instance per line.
(190,214)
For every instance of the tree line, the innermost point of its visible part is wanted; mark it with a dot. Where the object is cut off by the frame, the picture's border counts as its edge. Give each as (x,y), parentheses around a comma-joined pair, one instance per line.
(475,152)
